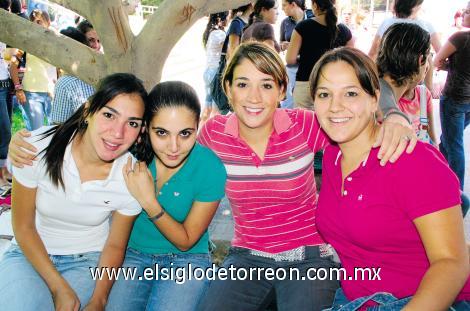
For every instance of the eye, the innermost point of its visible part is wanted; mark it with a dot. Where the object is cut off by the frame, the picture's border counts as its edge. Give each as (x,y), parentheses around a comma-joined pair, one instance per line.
(134,124)
(108,115)
(322,95)
(160,133)
(185,133)
(241,84)
(351,94)
(267,86)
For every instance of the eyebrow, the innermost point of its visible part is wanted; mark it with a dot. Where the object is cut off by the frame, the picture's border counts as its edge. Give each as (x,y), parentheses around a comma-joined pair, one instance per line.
(346,87)
(163,129)
(118,113)
(246,79)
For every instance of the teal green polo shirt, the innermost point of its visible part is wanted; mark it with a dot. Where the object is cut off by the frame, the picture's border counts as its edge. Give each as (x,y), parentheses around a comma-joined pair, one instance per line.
(202,178)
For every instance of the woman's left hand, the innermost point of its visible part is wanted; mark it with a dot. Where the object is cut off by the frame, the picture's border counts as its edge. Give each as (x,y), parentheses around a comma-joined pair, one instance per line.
(393,138)
(93,306)
(139,181)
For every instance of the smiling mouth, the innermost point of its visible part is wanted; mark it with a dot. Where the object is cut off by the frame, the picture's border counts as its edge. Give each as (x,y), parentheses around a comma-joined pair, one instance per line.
(172,157)
(111,146)
(339,120)
(253,111)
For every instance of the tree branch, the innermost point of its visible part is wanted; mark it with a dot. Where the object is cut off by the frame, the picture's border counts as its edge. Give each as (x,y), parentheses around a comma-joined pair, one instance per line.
(81,7)
(58,50)
(163,30)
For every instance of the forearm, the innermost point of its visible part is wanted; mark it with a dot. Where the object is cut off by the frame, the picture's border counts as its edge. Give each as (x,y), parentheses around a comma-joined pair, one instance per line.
(14,74)
(440,285)
(112,257)
(174,231)
(34,250)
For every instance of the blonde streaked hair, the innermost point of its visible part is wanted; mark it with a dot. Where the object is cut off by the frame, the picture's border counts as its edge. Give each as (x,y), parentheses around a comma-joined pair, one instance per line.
(264,58)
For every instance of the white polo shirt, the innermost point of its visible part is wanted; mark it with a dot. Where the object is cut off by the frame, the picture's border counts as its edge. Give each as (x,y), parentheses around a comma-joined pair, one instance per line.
(75,220)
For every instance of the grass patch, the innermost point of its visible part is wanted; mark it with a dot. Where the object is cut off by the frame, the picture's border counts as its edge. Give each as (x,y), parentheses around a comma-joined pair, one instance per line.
(18,122)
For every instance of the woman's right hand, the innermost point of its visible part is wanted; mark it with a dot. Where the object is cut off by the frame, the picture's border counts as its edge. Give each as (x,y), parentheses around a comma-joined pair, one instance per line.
(65,299)
(21,152)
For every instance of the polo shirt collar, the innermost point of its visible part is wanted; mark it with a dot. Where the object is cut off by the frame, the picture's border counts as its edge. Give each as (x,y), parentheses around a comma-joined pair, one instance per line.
(71,166)
(370,163)
(282,122)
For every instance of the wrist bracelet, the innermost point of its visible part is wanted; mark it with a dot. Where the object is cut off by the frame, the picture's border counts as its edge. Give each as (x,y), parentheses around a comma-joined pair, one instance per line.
(18,86)
(158,216)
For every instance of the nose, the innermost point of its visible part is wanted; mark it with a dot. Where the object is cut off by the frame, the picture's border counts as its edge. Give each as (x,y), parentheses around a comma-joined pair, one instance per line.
(336,103)
(254,95)
(174,144)
(119,129)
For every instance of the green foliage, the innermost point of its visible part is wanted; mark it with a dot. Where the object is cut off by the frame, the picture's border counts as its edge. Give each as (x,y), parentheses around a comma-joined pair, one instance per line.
(18,122)
(152,2)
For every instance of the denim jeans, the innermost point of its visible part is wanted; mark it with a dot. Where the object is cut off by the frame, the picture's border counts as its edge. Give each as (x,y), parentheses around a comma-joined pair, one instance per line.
(385,302)
(288,103)
(23,289)
(454,119)
(37,106)
(5,125)
(209,75)
(257,293)
(157,294)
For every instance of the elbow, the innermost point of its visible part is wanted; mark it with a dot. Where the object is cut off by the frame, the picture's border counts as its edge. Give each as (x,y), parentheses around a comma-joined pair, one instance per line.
(184,247)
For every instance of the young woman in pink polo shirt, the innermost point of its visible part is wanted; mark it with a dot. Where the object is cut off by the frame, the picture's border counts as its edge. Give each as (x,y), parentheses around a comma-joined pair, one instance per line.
(403,222)
(268,154)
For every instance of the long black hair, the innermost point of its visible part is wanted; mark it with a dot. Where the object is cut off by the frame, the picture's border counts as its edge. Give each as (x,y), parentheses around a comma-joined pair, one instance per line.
(404,8)
(331,18)
(169,94)
(259,6)
(299,3)
(215,22)
(108,88)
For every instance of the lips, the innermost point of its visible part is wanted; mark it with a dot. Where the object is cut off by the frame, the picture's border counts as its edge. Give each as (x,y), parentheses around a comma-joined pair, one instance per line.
(172,157)
(111,146)
(253,111)
(339,120)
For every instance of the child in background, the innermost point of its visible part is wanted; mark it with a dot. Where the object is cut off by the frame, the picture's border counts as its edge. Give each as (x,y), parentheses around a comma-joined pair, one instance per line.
(409,103)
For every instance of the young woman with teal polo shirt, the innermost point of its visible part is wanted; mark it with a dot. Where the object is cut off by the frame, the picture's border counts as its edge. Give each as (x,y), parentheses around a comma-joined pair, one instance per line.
(179,192)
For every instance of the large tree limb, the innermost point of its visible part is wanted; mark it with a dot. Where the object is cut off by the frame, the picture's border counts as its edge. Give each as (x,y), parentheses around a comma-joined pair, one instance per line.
(54,48)
(112,25)
(163,30)
(81,7)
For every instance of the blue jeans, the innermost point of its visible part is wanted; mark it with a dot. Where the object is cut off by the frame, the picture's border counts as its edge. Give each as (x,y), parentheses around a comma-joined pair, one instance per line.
(5,125)
(153,294)
(209,75)
(37,106)
(385,302)
(23,289)
(454,119)
(257,293)
(288,103)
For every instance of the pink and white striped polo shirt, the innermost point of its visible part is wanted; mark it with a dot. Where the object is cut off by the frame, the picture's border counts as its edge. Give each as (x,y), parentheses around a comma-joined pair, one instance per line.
(273,200)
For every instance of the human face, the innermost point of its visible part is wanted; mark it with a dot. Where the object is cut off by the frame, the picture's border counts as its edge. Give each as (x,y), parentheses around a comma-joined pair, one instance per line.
(254,97)
(93,40)
(41,21)
(270,16)
(173,133)
(466,16)
(287,7)
(114,128)
(343,108)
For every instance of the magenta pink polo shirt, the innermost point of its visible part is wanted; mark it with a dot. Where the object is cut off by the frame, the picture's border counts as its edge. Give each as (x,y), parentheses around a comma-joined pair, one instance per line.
(371,224)
(273,200)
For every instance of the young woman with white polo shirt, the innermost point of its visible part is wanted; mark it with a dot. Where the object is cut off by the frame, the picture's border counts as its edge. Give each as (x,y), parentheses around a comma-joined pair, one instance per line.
(62,204)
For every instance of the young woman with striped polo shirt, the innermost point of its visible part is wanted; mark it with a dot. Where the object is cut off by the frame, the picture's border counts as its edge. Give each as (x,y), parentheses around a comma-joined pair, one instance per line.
(268,154)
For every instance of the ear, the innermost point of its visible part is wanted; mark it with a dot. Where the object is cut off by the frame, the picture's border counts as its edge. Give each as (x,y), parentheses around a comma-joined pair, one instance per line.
(282,93)
(228,89)
(375,107)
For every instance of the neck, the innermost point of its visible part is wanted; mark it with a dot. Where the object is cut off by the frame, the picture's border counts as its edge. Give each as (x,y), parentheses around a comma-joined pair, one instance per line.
(255,136)
(298,15)
(84,153)
(398,91)
(356,150)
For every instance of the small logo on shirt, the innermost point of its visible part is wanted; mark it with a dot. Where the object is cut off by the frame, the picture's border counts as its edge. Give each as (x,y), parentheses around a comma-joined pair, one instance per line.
(107,202)
(359,198)
(176,194)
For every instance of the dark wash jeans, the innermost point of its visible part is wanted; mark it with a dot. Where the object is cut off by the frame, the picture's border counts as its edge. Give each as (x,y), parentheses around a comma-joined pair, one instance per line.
(385,302)
(256,294)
